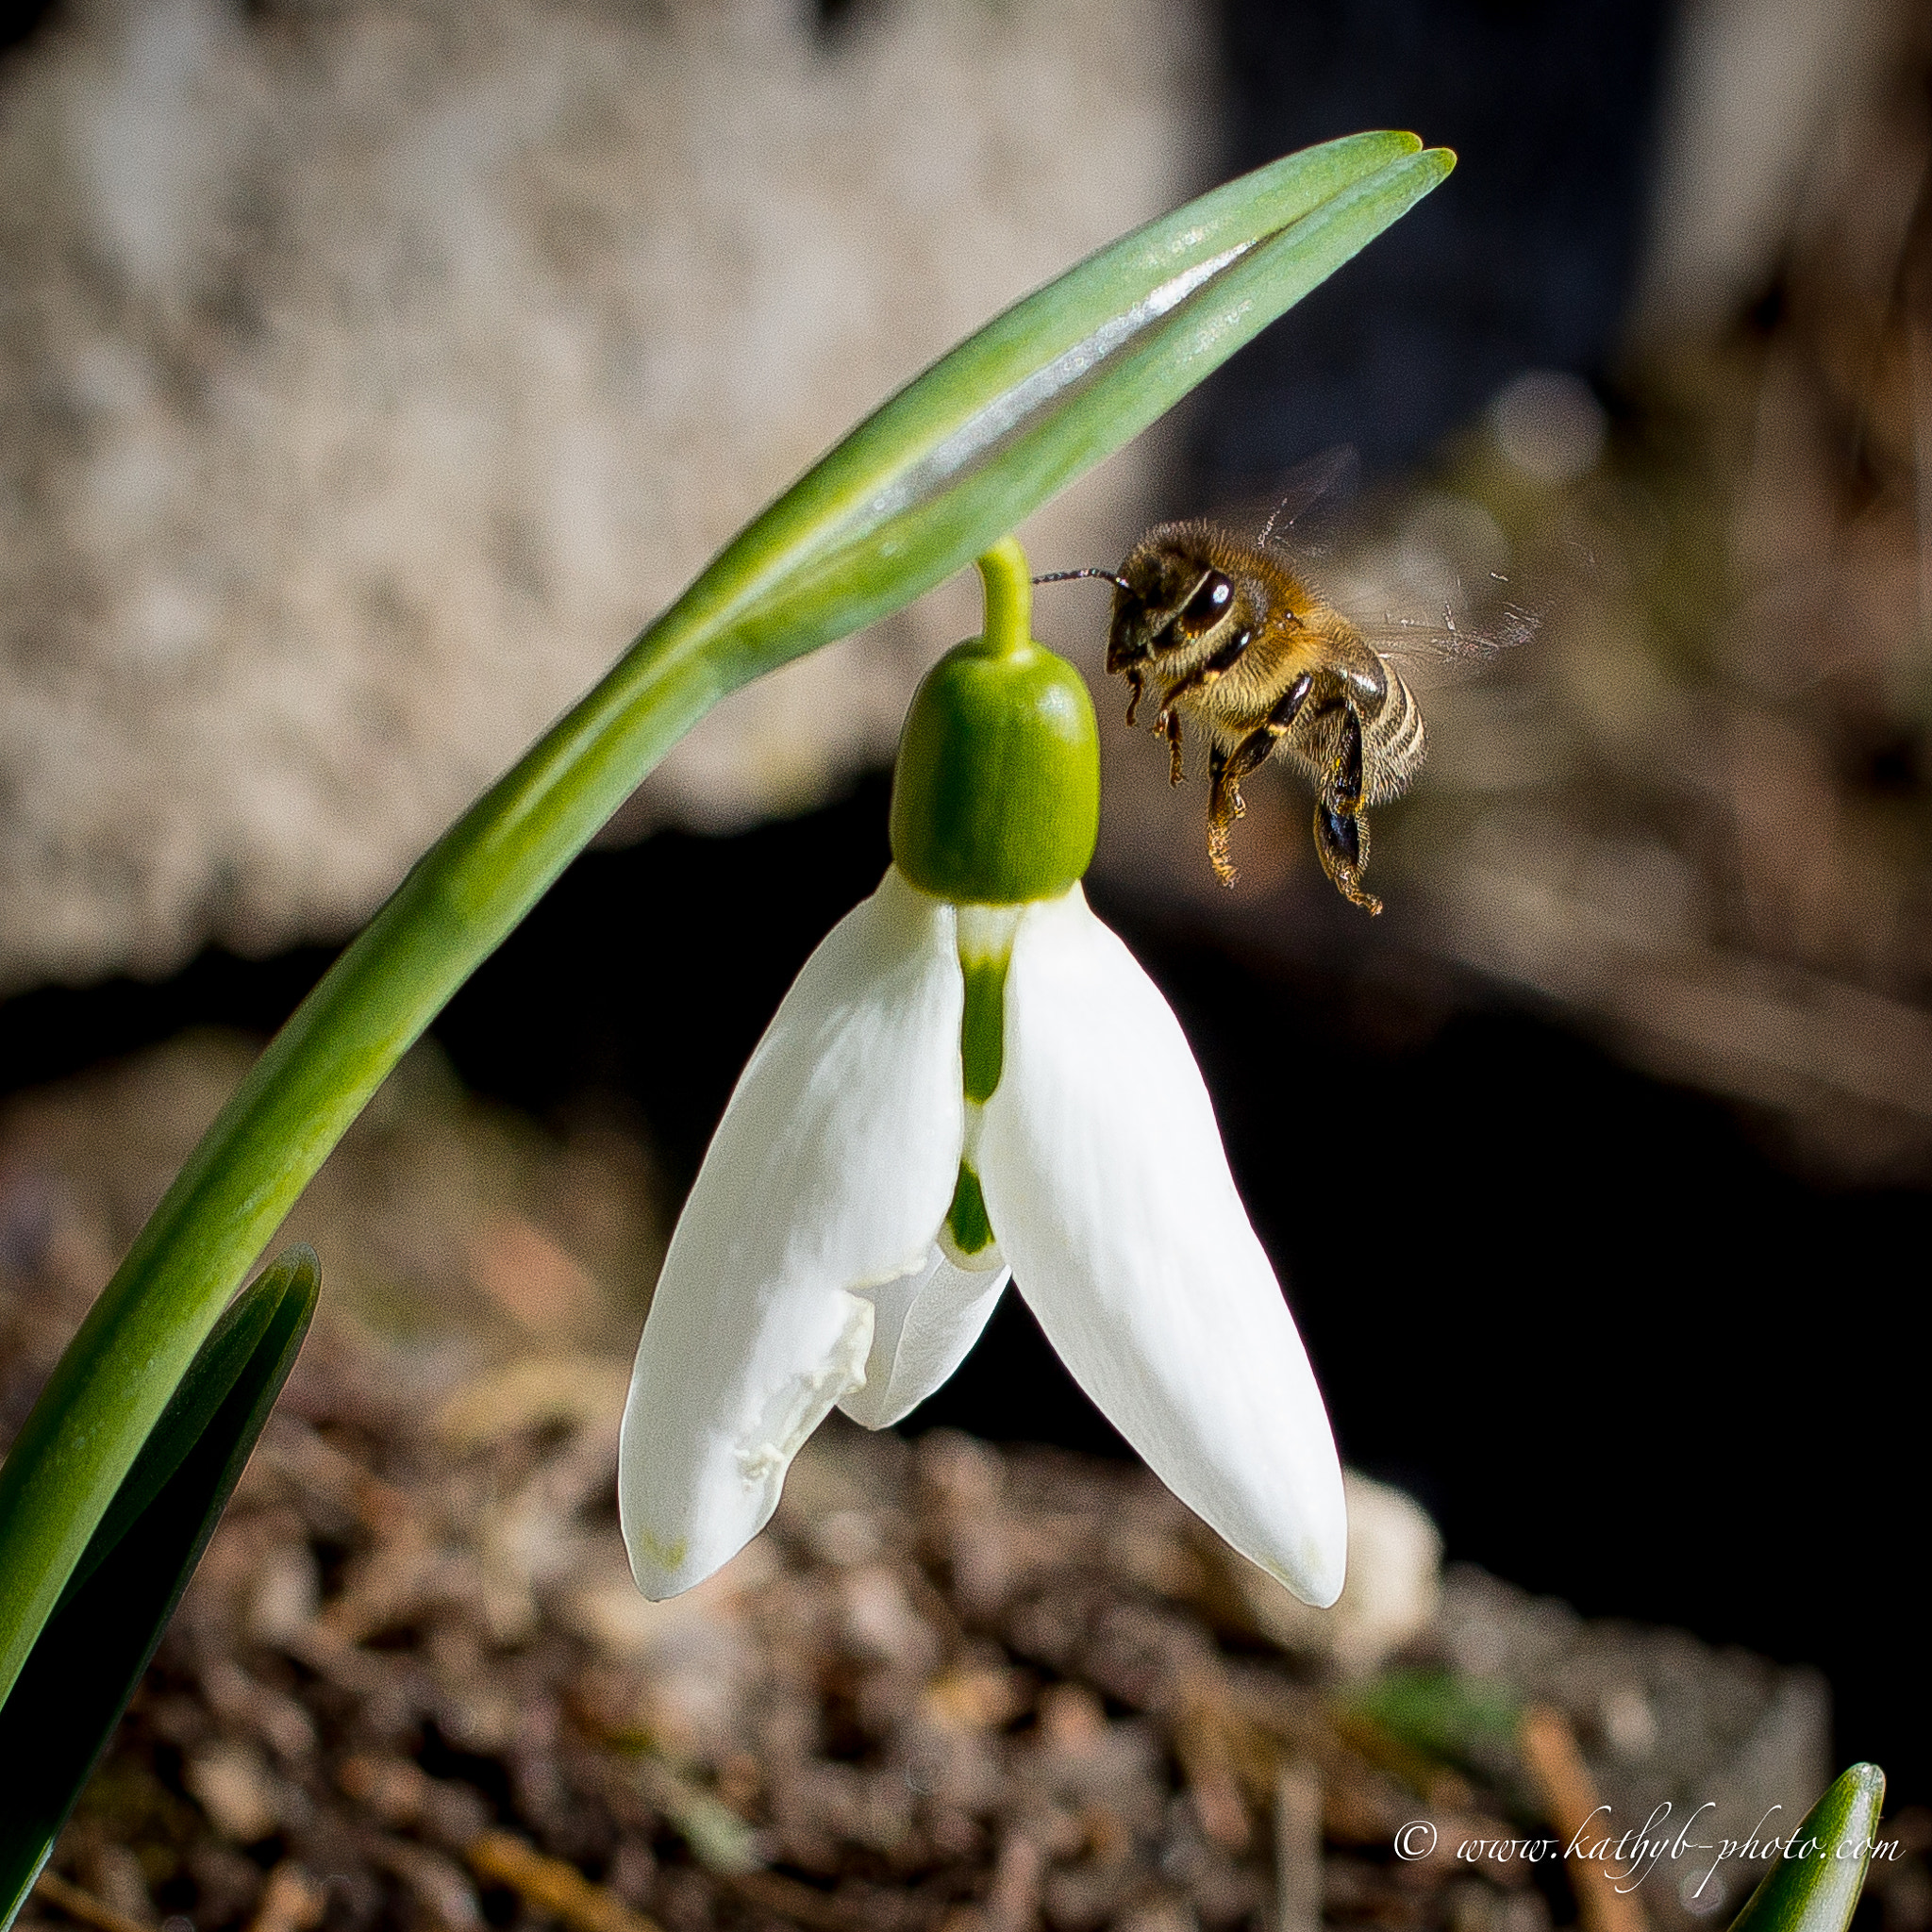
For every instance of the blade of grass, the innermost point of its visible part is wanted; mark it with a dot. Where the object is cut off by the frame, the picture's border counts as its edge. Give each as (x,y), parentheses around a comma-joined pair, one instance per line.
(917,491)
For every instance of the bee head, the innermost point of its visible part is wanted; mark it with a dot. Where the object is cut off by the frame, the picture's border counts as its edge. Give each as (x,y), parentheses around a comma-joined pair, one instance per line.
(1162,572)
(1128,598)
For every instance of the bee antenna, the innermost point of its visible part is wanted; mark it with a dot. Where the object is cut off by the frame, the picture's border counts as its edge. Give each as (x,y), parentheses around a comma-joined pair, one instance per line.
(1062,576)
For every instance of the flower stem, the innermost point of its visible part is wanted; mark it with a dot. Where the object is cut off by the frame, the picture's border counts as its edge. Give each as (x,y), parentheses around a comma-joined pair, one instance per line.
(1008,584)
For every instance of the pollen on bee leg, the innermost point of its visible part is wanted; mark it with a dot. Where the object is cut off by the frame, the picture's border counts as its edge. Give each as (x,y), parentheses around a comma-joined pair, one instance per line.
(1217,854)
(1224,807)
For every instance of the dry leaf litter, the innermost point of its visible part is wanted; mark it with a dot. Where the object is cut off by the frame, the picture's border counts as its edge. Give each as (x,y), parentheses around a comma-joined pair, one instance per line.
(953,1686)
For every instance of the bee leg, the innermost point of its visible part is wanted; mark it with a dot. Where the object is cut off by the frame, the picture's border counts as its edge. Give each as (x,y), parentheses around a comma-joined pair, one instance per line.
(1169,725)
(1212,672)
(1249,755)
(1341,838)
(1136,691)
(1226,770)
(1223,807)
(1281,719)
(1346,776)
(1227,656)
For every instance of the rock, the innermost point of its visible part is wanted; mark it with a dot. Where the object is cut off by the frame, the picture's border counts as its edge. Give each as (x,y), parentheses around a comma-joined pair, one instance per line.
(367,379)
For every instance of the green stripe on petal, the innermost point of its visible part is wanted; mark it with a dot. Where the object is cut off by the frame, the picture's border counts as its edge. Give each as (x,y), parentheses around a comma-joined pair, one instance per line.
(966,1219)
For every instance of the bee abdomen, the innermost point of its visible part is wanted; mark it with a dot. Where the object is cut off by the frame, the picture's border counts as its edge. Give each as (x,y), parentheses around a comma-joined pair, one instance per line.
(1394,743)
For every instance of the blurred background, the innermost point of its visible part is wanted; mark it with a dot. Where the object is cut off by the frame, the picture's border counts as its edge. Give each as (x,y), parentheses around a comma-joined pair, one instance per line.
(368,374)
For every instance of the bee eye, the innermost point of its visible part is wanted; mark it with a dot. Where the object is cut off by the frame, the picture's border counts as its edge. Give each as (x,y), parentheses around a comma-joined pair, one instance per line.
(1208,603)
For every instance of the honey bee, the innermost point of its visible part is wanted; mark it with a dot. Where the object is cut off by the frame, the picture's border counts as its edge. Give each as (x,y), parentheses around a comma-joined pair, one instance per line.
(1232,635)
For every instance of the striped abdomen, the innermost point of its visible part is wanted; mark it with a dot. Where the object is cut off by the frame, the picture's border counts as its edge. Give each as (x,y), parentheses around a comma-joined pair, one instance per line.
(1393,741)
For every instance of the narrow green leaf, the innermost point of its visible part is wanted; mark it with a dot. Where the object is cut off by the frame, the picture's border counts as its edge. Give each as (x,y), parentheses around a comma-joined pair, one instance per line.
(63,1708)
(916,492)
(1815,1884)
(983,477)
(211,1378)
(1025,366)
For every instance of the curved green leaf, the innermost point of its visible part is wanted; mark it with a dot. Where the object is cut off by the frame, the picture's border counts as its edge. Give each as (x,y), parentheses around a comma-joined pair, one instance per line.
(916,492)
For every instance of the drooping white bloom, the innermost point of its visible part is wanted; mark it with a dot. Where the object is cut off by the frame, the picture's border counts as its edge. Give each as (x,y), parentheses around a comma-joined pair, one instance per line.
(812,1264)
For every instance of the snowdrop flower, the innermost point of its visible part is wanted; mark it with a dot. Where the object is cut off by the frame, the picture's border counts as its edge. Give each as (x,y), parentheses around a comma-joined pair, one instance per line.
(972,1079)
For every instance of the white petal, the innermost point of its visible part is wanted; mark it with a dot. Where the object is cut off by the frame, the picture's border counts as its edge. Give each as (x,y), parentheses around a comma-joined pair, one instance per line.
(835,1161)
(1108,1191)
(924,1326)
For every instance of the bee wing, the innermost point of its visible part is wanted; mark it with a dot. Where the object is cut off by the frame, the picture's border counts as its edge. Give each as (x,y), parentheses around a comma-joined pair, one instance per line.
(1432,641)
(1307,511)
(1312,501)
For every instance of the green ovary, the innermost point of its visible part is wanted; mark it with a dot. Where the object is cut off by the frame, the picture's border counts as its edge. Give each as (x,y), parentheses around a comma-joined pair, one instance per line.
(996,791)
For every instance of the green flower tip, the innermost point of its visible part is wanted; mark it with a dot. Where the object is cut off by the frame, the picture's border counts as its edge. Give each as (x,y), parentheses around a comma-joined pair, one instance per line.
(996,794)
